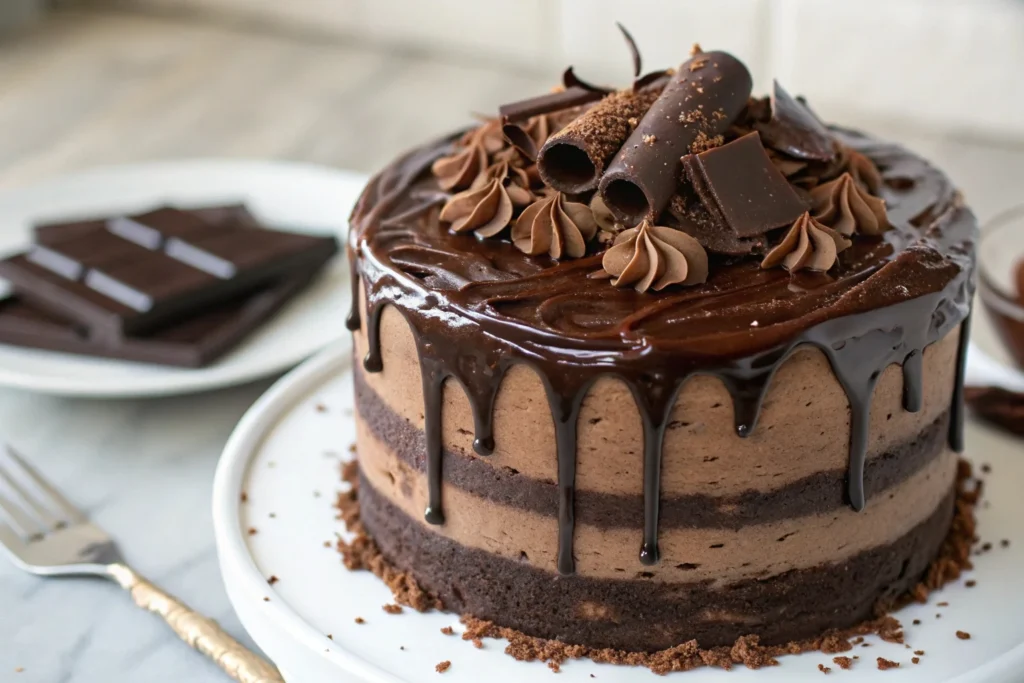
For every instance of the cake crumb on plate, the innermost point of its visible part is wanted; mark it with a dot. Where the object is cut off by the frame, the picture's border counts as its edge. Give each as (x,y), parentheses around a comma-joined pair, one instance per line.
(885,664)
(443,666)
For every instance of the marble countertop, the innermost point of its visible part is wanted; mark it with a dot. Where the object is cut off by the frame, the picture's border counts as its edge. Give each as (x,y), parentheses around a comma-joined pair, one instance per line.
(91,89)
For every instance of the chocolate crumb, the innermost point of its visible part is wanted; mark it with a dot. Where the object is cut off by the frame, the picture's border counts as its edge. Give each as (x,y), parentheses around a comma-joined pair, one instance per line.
(915,660)
(360,620)
(392,608)
(327,544)
(971,584)
(824,669)
(245,497)
(843,662)
(917,622)
(858,640)
(963,635)
(321,408)
(273,515)
(448,631)
(272,580)
(266,599)
(21,669)
(330,637)
(986,468)
(351,448)
(918,652)
(865,644)
(253,531)
(443,666)
(985,547)
(1004,543)
(938,616)
(943,604)
(885,664)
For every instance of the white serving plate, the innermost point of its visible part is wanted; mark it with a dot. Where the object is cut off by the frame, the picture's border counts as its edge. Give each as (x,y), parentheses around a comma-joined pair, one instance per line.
(285,454)
(299,196)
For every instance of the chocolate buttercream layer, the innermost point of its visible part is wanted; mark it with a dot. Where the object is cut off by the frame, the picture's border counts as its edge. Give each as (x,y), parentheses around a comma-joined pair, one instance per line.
(803,430)
(717,555)
(636,613)
(503,485)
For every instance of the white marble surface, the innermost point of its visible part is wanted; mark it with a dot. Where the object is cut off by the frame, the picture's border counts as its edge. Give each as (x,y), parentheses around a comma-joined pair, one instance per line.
(143,469)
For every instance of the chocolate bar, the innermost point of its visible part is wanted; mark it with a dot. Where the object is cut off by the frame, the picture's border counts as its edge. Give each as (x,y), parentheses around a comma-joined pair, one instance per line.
(191,343)
(129,276)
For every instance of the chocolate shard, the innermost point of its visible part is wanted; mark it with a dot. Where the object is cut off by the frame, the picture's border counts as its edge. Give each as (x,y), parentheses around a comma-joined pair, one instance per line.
(634,51)
(572,160)
(795,130)
(700,102)
(548,103)
(742,189)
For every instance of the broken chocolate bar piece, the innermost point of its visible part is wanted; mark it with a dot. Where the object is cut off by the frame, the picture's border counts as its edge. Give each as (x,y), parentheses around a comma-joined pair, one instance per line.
(191,343)
(742,189)
(127,276)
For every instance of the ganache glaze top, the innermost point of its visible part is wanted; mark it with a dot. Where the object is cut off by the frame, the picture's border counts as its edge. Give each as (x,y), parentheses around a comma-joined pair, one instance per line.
(542,306)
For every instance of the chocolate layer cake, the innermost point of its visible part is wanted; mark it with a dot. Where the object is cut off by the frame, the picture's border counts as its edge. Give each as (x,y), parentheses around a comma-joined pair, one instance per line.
(659,364)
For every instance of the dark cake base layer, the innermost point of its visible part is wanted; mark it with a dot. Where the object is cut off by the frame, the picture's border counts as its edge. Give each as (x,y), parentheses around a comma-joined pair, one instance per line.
(642,615)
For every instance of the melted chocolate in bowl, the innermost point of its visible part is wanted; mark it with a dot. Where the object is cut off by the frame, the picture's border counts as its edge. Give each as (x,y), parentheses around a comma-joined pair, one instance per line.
(1001,281)
(477,307)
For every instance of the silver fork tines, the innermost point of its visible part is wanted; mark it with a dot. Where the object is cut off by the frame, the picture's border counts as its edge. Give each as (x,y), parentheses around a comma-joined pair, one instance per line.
(41,510)
(46,535)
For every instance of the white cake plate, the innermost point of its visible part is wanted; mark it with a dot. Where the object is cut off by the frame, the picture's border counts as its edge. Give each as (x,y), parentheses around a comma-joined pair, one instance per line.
(286,453)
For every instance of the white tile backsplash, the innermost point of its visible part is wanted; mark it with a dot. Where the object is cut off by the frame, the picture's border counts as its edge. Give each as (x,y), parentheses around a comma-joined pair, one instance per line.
(941,63)
(946,63)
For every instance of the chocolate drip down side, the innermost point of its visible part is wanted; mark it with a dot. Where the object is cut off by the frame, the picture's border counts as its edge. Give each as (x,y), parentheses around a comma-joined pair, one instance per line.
(702,100)
(476,284)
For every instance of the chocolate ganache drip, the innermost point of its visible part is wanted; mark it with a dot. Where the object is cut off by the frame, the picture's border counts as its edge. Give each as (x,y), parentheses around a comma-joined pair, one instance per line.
(884,290)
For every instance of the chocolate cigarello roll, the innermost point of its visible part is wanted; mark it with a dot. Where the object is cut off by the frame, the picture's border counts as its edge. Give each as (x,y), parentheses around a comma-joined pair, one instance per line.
(704,97)
(573,159)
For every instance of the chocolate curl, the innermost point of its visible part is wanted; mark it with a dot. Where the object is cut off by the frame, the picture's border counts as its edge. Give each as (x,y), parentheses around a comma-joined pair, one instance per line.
(700,102)
(572,160)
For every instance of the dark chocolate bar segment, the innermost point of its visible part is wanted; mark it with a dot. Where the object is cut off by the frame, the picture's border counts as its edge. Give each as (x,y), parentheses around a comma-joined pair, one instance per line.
(191,343)
(129,275)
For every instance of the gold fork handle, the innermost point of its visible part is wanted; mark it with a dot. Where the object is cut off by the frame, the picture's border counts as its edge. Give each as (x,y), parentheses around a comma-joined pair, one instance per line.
(199,632)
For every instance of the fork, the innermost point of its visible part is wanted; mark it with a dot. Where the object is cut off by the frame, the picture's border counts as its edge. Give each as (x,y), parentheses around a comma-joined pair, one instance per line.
(45,535)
